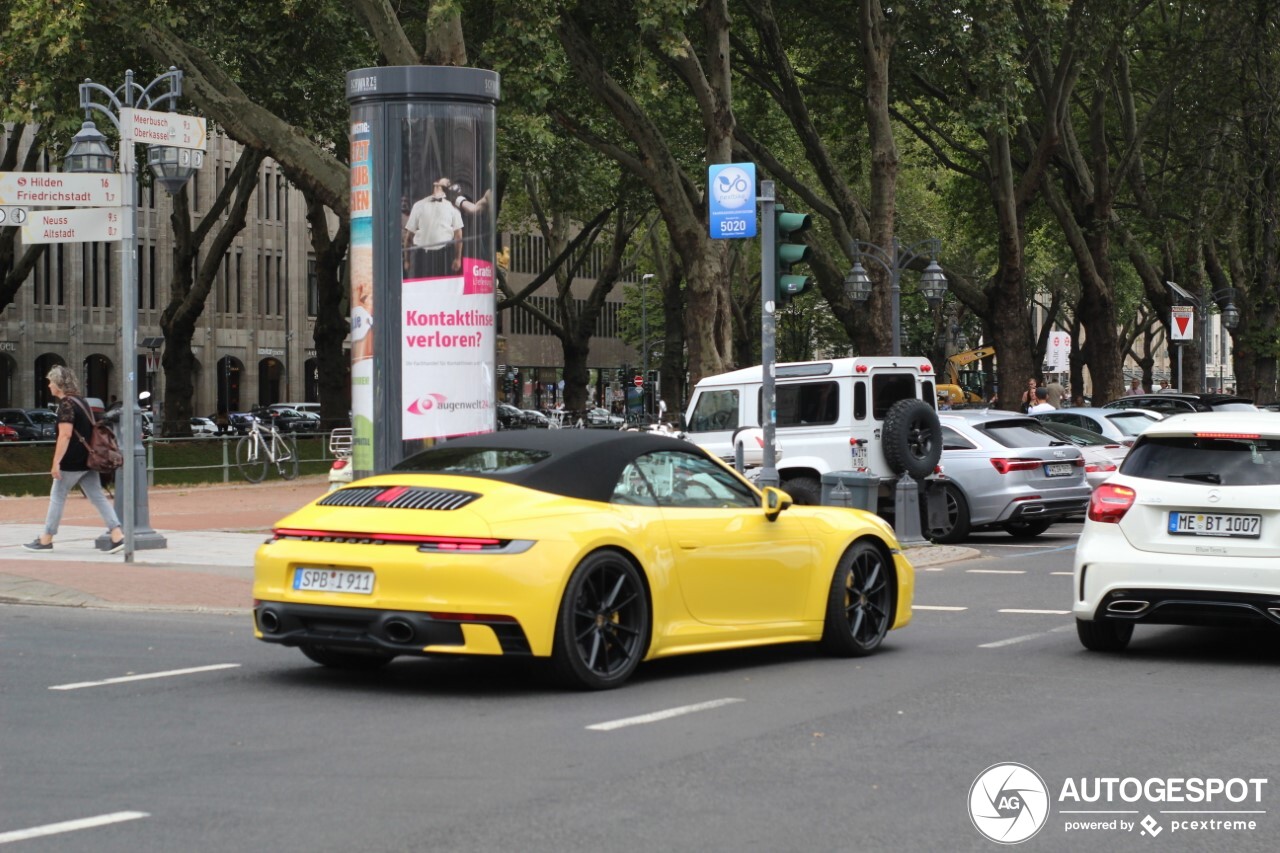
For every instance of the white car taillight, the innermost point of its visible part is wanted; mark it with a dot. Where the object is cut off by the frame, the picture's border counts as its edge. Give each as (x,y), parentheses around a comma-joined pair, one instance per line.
(1109,503)
(1096,467)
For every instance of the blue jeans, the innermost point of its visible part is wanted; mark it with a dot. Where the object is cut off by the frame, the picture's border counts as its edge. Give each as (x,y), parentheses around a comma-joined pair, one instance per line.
(92,488)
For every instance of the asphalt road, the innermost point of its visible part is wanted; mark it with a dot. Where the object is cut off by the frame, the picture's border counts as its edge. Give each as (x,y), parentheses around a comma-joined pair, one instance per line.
(237,745)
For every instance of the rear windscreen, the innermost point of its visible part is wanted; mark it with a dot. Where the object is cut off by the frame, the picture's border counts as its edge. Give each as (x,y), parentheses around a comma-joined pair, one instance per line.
(1220,461)
(1023,433)
(1131,424)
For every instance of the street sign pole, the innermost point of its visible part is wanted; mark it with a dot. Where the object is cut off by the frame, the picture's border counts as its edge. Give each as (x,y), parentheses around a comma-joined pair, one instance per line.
(768,336)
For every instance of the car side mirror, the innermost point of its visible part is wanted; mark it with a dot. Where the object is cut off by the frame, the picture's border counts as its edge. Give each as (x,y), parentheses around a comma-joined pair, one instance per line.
(774,502)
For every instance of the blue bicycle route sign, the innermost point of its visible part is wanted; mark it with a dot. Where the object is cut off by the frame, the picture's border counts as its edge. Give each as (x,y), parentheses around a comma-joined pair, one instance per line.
(731,194)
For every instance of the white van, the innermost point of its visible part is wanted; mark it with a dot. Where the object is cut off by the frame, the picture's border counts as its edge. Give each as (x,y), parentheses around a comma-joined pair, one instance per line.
(872,414)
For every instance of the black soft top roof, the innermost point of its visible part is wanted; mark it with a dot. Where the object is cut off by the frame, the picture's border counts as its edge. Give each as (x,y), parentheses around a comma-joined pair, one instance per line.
(584,464)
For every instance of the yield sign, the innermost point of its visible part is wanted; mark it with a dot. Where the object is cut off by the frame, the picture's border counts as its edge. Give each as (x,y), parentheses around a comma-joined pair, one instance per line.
(1182,327)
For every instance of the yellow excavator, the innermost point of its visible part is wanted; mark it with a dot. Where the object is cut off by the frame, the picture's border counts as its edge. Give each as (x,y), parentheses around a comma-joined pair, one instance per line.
(964,386)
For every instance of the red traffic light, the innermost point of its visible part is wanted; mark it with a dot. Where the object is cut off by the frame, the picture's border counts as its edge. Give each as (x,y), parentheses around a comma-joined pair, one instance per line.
(639,380)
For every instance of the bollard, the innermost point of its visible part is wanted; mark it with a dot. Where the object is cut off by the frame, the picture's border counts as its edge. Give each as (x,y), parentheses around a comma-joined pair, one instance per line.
(906,512)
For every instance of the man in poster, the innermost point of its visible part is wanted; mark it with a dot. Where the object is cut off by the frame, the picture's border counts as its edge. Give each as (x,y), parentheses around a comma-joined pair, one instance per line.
(433,235)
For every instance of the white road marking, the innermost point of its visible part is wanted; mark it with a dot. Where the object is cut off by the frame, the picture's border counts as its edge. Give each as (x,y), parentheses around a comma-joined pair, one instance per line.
(657,716)
(145,677)
(69,826)
(937,607)
(1037,612)
(1068,574)
(1014,640)
(995,571)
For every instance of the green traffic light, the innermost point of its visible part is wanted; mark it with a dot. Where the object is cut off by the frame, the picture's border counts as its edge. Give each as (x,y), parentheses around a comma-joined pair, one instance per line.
(793,223)
(788,225)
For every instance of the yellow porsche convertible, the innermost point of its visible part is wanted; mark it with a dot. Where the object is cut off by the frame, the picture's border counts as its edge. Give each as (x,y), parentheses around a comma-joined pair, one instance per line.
(596,549)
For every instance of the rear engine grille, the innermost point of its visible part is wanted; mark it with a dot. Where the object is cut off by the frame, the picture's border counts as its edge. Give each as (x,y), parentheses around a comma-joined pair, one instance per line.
(399,497)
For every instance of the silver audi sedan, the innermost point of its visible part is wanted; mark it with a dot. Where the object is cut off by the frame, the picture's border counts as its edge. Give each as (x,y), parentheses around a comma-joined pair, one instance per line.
(1005,470)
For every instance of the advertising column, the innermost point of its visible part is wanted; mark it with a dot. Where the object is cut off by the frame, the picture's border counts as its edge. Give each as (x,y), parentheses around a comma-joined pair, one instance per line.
(423,296)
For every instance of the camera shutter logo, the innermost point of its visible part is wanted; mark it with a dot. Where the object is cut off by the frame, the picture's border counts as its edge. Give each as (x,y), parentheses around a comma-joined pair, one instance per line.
(1008,803)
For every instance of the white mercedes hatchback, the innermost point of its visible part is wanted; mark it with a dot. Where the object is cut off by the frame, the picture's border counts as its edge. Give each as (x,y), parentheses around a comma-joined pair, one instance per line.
(1187,533)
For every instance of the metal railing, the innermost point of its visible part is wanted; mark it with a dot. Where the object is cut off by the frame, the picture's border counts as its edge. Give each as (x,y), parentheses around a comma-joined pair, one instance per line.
(320,452)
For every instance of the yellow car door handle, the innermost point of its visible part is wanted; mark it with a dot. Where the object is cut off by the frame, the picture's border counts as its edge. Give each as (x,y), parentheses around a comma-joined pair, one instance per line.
(689,544)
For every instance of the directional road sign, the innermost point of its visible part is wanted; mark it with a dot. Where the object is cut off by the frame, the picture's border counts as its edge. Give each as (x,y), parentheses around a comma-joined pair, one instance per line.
(152,127)
(13,215)
(49,189)
(74,226)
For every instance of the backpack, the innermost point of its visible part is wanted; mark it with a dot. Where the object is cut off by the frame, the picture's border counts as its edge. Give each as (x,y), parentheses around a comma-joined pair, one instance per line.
(104,452)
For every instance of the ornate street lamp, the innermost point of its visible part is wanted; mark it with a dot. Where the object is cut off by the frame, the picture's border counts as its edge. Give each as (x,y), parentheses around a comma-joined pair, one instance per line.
(933,283)
(90,152)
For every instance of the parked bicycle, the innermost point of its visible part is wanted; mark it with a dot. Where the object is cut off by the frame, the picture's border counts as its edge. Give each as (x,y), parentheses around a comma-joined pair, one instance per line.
(263,446)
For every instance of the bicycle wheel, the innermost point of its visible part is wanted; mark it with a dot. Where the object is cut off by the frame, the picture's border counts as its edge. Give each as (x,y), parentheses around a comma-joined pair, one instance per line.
(287,457)
(251,459)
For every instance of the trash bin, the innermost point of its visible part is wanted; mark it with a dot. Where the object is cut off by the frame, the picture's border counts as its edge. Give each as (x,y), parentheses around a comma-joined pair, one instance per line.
(856,489)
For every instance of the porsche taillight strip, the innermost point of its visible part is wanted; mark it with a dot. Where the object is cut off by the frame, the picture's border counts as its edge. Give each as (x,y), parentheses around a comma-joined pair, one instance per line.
(450,544)
(398,497)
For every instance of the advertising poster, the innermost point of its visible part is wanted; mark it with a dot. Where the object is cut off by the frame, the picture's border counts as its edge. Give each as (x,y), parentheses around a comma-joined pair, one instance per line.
(448,299)
(362,307)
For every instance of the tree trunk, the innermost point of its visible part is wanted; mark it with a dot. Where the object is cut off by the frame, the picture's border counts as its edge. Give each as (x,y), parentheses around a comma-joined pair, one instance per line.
(333,366)
(877,47)
(189,287)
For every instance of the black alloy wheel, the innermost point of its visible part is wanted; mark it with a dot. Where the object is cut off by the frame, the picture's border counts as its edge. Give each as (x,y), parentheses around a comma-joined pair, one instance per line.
(860,604)
(604,623)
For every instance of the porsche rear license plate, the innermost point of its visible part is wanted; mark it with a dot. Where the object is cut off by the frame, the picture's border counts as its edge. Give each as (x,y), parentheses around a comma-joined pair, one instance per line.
(358,581)
(1058,469)
(1215,524)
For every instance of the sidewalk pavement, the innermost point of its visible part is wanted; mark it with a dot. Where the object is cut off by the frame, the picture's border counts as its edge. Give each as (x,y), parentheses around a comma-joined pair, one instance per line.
(211,534)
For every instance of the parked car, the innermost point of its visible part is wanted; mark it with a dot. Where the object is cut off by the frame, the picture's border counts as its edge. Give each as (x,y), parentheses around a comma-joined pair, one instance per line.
(533,419)
(1187,533)
(31,424)
(203,426)
(509,417)
(241,421)
(1102,456)
(8,433)
(286,419)
(1006,471)
(556,545)
(601,418)
(1122,425)
(1175,403)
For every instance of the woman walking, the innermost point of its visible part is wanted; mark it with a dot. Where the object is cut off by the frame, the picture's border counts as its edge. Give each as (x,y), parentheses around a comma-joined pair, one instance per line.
(70,463)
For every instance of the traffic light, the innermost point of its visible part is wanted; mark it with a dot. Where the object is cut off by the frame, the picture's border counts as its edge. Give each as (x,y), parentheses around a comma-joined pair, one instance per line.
(652,379)
(788,225)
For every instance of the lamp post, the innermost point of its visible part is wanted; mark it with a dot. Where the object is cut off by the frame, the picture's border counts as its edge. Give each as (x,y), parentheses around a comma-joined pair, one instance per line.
(90,152)
(644,336)
(1225,299)
(933,284)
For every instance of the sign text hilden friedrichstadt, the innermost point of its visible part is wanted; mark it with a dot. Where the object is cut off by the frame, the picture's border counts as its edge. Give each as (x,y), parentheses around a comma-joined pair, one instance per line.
(47,189)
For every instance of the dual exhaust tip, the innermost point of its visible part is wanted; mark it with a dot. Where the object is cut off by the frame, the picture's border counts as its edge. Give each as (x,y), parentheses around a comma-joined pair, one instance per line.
(399,631)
